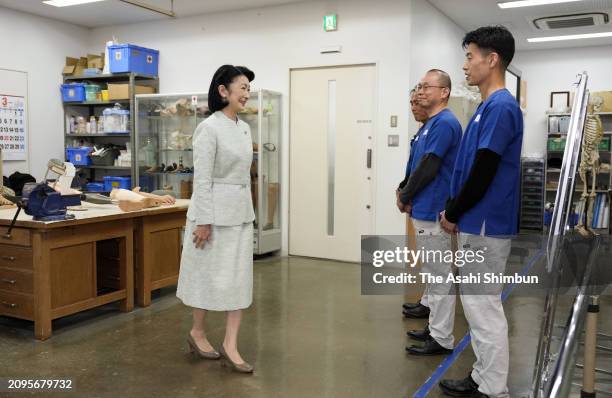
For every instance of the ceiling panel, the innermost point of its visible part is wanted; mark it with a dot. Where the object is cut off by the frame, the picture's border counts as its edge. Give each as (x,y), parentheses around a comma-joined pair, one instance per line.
(115,12)
(519,20)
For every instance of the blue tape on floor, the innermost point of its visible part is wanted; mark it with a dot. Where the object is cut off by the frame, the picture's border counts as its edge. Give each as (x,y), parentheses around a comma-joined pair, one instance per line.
(424,390)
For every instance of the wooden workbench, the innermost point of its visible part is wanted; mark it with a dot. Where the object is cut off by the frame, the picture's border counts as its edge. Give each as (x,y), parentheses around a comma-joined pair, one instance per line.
(52,269)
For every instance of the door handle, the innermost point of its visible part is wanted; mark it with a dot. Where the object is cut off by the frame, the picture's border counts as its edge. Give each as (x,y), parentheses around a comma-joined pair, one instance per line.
(8,258)
(9,281)
(369,159)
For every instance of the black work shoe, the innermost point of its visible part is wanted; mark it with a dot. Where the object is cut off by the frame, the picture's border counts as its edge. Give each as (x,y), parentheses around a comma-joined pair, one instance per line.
(409,306)
(418,312)
(461,388)
(431,347)
(419,334)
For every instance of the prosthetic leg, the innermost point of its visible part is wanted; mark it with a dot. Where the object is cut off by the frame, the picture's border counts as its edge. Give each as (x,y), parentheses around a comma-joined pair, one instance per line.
(272,202)
(133,201)
(165,199)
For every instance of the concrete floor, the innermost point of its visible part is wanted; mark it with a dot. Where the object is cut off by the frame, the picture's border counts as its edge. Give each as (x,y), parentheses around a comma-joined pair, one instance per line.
(309,333)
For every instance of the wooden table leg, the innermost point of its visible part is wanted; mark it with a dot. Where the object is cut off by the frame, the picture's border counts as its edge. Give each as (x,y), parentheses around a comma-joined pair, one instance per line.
(42,286)
(144,264)
(126,267)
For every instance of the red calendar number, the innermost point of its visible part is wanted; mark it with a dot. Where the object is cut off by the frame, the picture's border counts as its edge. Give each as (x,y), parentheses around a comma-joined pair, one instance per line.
(4,101)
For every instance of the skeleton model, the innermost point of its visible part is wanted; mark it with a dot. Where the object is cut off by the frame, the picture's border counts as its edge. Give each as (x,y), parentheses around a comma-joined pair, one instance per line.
(589,161)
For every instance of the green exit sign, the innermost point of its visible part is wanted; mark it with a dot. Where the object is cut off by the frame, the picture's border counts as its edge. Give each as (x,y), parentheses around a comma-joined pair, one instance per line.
(330,22)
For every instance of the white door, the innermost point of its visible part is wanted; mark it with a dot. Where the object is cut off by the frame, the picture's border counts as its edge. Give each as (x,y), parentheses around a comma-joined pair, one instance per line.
(331,161)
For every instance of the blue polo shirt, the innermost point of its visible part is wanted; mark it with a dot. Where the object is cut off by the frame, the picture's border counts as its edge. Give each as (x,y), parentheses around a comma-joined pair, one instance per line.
(410,155)
(441,136)
(497,125)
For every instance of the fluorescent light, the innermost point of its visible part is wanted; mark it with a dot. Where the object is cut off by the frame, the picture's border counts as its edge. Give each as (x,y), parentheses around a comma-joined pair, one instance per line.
(569,37)
(530,3)
(66,3)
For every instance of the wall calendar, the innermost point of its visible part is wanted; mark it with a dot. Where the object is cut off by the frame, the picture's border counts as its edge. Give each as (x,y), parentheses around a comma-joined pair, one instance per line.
(12,127)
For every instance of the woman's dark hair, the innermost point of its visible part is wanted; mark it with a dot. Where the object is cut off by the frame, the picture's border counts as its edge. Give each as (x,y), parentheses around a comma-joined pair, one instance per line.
(225,75)
(496,39)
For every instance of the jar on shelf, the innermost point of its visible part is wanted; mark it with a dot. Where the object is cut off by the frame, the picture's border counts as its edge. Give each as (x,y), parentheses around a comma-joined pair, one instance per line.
(116,120)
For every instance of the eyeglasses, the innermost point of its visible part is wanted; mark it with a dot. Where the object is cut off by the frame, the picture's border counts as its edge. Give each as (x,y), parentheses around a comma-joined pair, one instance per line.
(426,86)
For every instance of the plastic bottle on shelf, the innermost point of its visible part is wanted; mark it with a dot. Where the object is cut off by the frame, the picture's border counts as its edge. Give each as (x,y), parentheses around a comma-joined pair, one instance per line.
(72,125)
(93,126)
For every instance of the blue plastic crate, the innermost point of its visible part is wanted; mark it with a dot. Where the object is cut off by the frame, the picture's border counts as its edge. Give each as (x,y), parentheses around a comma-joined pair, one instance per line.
(73,92)
(111,182)
(147,183)
(79,156)
(94,187)
(131,58)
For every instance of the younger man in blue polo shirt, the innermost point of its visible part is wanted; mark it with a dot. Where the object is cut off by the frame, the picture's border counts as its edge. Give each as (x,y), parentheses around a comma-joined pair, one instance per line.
(483,206)
(424,196)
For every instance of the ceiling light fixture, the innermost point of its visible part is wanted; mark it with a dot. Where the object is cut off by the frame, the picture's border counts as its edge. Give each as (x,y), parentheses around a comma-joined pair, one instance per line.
(570,37)
(531,3)
(66,3)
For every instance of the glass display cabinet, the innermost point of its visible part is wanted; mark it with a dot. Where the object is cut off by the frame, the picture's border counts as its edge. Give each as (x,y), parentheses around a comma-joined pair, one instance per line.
(163,151)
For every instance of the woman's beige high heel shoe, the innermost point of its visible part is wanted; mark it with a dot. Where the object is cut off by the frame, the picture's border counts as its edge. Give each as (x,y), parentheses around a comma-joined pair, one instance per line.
(194,349)
(238,367)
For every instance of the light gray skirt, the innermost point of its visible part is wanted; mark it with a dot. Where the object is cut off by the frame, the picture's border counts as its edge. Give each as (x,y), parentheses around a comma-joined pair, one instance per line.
(220,276)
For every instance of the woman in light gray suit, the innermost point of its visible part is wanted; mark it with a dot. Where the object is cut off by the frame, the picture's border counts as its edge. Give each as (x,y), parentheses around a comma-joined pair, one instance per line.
(217,262)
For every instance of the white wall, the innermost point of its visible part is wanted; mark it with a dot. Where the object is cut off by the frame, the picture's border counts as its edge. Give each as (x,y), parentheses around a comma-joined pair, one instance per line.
(39,46)
(435,43)
(555,70)
(273,40)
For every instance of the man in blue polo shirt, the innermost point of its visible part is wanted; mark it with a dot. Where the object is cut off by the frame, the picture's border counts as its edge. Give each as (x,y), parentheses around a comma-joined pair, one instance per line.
(483,206)
(424,196)
(420,309)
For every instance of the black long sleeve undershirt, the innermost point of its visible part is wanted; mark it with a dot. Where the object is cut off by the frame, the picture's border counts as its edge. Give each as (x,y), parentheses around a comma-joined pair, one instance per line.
(480,178)
(425,172)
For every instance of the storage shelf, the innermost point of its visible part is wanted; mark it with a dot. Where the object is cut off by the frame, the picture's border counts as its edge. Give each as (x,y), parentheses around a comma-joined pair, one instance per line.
(105,167)
(96,103)
(565,134)
(559,170)
(569,114)
(171,117)
(577,190)
(112,77)
(99,135)
(606,151)
(166,173)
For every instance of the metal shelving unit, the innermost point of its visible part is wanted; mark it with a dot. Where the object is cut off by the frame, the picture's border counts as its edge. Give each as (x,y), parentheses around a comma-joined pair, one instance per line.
(604,178)
(532,194)
(95,108)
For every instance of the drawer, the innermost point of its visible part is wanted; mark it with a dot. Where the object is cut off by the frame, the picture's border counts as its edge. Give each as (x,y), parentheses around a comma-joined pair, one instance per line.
(19,236)
(16,257)
(16,281)
(16,305)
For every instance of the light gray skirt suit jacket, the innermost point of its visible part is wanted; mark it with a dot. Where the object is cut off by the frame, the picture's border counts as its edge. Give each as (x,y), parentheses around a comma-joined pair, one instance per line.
(220,276)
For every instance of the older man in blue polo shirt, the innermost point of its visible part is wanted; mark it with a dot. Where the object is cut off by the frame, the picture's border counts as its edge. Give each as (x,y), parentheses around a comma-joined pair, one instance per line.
(424,196)
(483,207)
(420,309)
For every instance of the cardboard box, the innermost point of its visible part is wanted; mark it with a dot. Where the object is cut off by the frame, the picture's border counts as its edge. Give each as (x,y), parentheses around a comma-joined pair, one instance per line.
(95,61)
(121,91)
(80,66)
(70,66)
